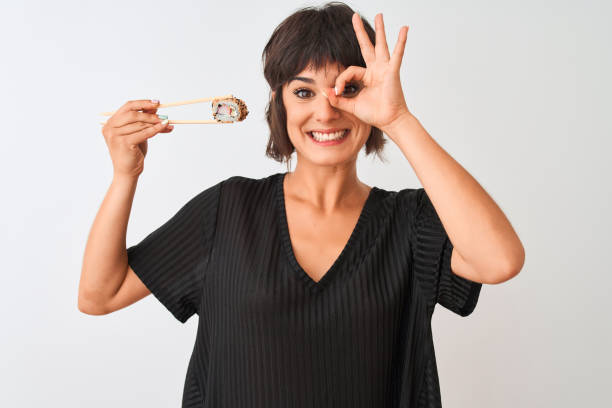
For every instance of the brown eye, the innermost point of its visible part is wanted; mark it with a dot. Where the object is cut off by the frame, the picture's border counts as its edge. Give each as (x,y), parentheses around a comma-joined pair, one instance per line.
(298,91)
(350,89)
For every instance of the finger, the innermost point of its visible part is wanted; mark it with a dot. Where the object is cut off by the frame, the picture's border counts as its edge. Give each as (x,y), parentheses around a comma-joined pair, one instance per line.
(132,128)
(138,105)
(382,50)
(154,110)
(367,49)
(168,129)
(135,116)
(351,74)
(346,104)
(141,136)
(398,52)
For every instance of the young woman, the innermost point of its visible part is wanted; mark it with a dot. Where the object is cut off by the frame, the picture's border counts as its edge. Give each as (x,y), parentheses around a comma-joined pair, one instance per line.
(312,288)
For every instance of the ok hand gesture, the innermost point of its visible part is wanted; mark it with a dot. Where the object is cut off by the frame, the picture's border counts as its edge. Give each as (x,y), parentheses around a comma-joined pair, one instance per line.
(380,101)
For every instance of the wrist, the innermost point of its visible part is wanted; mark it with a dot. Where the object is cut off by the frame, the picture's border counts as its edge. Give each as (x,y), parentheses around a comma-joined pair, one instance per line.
(125,179)
(403,120)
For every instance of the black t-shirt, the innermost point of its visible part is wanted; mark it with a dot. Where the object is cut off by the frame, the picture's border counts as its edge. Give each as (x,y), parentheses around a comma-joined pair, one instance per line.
(270,336)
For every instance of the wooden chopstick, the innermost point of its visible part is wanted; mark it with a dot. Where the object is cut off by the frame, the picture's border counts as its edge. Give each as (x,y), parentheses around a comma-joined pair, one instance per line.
(173,122)
(165,105)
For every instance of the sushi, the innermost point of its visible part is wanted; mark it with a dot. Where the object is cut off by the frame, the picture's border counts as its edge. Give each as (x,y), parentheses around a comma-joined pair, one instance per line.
(229,110)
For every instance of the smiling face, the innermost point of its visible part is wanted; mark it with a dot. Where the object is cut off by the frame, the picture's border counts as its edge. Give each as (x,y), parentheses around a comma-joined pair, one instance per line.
(308,111)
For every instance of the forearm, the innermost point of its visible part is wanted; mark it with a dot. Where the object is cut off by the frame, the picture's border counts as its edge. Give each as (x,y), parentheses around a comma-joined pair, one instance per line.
(477,227)
(105,259)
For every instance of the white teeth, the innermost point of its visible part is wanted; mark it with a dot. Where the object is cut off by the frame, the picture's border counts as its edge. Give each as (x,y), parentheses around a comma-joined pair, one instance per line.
(323,137)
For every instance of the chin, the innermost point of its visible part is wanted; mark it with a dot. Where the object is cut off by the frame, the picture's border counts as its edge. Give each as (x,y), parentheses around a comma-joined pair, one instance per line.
(328,158)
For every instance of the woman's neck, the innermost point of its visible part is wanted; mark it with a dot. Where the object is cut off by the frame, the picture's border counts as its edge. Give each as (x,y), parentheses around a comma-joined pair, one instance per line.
(328,188)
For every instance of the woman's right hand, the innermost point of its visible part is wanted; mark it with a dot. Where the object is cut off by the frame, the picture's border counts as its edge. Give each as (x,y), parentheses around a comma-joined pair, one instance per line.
(126,133)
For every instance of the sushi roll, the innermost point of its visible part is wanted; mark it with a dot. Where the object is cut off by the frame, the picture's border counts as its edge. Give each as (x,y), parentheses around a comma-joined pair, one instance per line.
(229,110)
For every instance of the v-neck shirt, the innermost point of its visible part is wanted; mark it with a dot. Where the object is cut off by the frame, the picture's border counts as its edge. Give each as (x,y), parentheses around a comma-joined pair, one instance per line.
(288,247)
(269,335)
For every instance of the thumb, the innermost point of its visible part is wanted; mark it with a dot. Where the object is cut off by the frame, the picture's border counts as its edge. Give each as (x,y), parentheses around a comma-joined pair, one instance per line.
(339,102)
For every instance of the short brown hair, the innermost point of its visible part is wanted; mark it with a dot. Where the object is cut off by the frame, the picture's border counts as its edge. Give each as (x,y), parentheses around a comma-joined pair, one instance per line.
(310,37)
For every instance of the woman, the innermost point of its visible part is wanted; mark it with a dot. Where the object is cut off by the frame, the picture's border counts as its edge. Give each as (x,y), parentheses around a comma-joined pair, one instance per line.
(312,288)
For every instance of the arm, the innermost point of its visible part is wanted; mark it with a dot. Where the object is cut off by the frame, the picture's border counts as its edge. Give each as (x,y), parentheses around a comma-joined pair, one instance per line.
(486,247)
(105,265)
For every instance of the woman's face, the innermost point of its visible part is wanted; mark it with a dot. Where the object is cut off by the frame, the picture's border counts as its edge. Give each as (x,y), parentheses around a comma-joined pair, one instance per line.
(309,110)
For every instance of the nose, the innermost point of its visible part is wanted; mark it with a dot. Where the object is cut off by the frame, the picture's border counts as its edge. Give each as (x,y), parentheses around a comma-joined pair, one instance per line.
(324,111)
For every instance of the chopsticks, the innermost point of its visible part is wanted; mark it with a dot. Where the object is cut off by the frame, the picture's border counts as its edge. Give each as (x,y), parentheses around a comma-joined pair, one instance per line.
(188,102)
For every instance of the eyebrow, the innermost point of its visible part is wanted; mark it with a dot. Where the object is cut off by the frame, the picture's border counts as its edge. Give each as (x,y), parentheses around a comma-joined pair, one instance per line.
(304,79)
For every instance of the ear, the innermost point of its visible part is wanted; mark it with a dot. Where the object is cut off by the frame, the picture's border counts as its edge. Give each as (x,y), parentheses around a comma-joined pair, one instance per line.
(273,94)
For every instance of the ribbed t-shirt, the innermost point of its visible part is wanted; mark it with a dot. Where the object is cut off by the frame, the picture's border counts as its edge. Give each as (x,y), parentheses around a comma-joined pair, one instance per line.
(270,336)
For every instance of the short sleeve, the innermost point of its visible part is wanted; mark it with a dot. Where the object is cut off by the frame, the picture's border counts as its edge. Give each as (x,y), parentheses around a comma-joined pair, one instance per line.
(171,261)
(431,257)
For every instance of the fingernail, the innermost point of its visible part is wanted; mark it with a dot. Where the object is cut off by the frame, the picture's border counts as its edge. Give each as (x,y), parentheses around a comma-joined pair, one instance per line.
(154,101)
(165,122)
(162,116)
(336,91)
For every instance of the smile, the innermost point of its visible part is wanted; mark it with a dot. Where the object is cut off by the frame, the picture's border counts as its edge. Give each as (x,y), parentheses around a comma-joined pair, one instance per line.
(325,138)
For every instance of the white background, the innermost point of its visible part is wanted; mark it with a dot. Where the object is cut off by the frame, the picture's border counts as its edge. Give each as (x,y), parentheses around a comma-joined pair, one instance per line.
(517,92)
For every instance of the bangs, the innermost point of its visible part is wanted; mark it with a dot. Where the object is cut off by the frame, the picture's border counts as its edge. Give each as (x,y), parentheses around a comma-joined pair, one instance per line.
(310,39)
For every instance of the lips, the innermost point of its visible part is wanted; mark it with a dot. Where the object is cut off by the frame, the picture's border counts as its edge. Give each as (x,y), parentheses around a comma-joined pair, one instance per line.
(324,139)
(329,132)
(332,130)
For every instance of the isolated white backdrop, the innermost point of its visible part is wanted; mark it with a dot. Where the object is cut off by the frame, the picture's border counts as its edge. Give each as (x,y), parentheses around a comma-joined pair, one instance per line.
(517,92)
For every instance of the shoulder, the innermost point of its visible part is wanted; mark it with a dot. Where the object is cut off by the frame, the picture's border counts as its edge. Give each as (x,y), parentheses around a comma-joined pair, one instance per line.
(410,199)
(406,203)
(407,199)
(242,183)
(242,190)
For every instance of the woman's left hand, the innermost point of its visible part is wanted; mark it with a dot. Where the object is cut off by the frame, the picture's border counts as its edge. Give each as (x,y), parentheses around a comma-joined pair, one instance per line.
(379,101)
